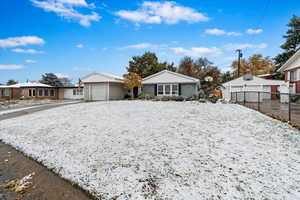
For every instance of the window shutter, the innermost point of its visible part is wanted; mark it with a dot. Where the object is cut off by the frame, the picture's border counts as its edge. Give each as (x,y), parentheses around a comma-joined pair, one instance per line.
(155,90)
(179,89)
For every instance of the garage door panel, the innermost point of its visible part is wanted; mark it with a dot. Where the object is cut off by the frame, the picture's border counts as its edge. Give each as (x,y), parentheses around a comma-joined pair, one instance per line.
(99,92)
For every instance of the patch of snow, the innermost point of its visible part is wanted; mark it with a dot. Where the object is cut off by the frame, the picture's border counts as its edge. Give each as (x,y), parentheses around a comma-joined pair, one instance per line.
(163,150)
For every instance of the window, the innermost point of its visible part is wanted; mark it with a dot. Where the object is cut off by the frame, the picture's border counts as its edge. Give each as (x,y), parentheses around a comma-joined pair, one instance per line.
(174,89)
(6,92)
(40,92)
(52,93)
(160,89)
(167,89)
(78,91)
(293,76)
(46,92)
(33,92)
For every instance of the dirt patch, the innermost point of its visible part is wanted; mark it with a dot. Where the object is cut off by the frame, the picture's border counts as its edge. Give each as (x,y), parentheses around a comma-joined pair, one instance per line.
(45,184)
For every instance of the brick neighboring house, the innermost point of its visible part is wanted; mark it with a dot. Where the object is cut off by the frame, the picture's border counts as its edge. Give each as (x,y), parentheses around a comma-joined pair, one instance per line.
(291,70)
(30,90)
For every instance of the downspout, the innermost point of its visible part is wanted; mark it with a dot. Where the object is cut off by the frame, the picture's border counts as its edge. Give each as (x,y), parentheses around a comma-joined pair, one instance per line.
(107,90)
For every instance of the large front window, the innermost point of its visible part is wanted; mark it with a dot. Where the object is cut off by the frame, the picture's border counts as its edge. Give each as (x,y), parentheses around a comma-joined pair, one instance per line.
(167,89)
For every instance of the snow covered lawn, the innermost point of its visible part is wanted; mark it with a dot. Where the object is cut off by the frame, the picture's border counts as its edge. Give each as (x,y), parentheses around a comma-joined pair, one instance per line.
(163,150)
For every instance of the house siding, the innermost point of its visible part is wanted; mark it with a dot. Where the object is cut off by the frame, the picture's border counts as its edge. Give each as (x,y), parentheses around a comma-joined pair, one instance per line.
(149,89)
(188,89)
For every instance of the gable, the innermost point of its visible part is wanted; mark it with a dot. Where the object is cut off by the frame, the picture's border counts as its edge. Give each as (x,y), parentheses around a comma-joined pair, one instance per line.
(168,77)
(292,63)
(98,78)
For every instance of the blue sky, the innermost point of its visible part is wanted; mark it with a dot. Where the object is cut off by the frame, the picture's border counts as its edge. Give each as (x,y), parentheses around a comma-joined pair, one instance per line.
(75,37)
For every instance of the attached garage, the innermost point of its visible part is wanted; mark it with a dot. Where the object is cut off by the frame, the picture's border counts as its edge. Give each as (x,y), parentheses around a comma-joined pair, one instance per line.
(103,87)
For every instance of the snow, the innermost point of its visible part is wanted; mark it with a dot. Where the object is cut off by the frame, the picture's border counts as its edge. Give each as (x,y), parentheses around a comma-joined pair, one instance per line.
(163,150)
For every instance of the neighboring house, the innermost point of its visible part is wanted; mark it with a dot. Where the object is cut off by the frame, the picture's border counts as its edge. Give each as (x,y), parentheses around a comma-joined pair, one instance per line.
(251,85)
(291,70)
(100,86)
(29,90)
(36,90)
(167,83)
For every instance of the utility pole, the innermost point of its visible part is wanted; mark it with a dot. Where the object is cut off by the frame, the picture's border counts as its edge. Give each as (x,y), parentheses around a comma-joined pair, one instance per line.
(240,55)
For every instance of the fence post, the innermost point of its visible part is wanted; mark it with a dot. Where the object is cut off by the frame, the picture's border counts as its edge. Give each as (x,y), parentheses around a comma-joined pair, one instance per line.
(236,98)
(231,97)
(244,97)
(258,102)
(290,116)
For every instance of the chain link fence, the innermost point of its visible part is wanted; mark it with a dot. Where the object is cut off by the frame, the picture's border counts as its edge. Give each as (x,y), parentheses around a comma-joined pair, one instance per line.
(280,105)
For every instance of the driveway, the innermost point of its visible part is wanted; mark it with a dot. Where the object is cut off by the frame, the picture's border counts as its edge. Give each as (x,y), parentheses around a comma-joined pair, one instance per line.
(163,150)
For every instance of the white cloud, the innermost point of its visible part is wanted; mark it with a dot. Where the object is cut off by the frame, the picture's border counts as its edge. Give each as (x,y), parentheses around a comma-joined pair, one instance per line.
(168,12)
(143,46)
(216,31)
(80,46)
(254,31)
(21,41)
(30,61)
(29,51)
(59,75)
(11,67)
(197,51)
(65,9)
(231,47)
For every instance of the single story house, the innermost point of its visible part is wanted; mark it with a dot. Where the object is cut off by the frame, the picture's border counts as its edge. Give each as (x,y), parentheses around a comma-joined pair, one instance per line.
(291,70)
(36,90)
(100,87)
(251,85)
(168,83)
(29,90)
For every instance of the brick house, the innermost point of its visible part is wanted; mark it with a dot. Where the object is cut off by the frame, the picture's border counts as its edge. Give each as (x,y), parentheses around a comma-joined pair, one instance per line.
(30,90)
(291,70)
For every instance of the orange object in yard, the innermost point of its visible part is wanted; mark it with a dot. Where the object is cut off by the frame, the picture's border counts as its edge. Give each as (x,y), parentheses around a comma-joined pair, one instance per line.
(218,93)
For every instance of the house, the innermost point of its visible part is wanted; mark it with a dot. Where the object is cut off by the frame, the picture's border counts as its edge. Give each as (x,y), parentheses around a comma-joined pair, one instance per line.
(251,85)
(100,86)
(167,83)
(291,70)
(36,90)
(29,90)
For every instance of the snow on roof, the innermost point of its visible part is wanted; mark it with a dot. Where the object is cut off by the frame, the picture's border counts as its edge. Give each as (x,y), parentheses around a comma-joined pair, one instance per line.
(290,61)
(101,77)
(27,84)
(255,81)
(167,76)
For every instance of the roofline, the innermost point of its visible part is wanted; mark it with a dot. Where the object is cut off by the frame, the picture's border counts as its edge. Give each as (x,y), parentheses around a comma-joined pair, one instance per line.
(291,59)
(105,75)
(268,80)
(175,73)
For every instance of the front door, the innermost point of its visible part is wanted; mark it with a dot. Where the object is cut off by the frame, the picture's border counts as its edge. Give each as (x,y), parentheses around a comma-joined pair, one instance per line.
(135,92)
(274,89)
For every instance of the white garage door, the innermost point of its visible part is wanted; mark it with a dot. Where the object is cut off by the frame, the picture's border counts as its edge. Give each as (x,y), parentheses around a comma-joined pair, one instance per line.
(98,91)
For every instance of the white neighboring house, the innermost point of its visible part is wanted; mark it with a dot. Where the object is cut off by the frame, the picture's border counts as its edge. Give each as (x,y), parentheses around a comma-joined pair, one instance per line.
(291,70)
(101,87)
(252,85)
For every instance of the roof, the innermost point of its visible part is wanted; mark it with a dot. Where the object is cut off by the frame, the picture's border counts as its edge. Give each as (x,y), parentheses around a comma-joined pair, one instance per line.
(255,81)
(167,76)
(290,61)
(97,77)
(25,85)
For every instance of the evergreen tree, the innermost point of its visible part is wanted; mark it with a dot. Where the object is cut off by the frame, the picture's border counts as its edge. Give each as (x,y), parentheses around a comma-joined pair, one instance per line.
(292,42)
(51,79)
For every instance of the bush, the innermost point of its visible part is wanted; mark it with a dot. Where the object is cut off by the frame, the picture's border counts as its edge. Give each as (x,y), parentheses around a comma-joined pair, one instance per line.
(146,96)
